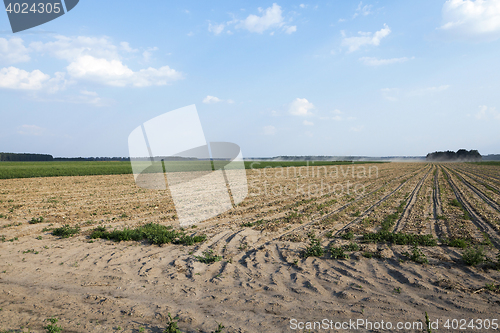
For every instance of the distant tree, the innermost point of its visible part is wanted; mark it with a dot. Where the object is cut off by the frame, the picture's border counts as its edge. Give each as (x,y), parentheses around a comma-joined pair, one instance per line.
(460,155)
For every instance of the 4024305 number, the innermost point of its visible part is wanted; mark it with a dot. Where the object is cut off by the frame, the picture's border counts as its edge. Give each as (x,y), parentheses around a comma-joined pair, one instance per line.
(36,8)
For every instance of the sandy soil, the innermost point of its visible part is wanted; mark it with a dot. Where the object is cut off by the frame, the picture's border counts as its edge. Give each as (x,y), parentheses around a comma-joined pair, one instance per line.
(262,282)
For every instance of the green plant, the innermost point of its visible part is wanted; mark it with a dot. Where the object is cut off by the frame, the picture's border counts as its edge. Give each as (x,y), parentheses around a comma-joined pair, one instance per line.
(493,287)
(338,253)
(351,247)
(427,323)
(208,257)
(456,242)
(36,220)
(473,256)
(348,235)
(172,325)
(329,234)
(417,255)
(219,328)
(52,327)
(152,232)
(39,237)
(399,238)
(66,231)
(397,290)
(314,249)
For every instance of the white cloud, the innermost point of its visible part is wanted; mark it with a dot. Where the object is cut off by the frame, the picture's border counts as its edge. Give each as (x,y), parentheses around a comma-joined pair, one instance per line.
(308,123)
(15,78)
(147,54)
(30,130)
(486,113)
(472,19)
(357,128)
(365,38)
(369,61)
(115,73)
(429,90)
(341,20)
(13,51)
(269,130)
(390,94)
(211,99)
(301,107)
(302,5)
(271,18)
(362,10)
(125,46)
(216,28)
(291,29)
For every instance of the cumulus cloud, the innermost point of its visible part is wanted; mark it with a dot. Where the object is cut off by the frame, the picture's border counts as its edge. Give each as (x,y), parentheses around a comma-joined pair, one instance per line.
(216,28)
(369,61)
(211,99)
(13,51)
(472,19)
(269,130)
(99,60)
(301,107)
(486,113)
(270,18)
(291,29)
(115,73)
(308,123)
(365,38)
(15,78)
(362,10)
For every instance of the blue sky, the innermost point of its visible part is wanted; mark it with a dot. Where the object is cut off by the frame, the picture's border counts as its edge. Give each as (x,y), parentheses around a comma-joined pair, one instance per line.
(377,78)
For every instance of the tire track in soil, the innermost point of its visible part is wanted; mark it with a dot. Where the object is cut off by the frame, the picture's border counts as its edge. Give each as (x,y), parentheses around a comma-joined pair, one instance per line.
(476,218)
(439,229)
(479,193)
(484,176)
(473,177)
(410,203)
(375,205)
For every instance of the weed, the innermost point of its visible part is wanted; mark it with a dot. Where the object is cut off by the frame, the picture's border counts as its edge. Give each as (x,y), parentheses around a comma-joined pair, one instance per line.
(351,247)
(417,255)
(52,327)
(314,249)
(427,323)
(348,235)
(2,216)
(329,234)
(30,251)
(356,214)
(473,256)
(123,216)
(66,231)
(172,325)
(208,257)
(456,242)
(397,290)
(253,224)
(36,220)
(493,287)
(399,238)
(152,232)
(39,237)
(219,328)
(338,253)
(455,203)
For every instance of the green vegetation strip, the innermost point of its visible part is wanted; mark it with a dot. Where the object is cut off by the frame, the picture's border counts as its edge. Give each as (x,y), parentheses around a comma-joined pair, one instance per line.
(9,170)
(399,238)
(152,232)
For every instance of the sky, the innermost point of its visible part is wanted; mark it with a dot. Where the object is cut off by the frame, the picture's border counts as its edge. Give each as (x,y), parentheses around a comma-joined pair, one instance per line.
(371,78)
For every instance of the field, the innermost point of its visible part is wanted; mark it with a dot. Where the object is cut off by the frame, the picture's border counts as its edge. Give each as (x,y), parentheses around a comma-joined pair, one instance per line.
(341,242)
(10,170)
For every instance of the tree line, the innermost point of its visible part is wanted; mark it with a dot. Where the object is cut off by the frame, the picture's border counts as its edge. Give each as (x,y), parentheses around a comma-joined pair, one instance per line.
(460,155)
(25,157)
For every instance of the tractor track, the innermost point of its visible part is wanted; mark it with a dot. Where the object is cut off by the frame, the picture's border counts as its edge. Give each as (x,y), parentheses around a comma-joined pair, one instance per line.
(372,207)
(476,217)
(479,193)
(439,229)
(410,203)
(482,182)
